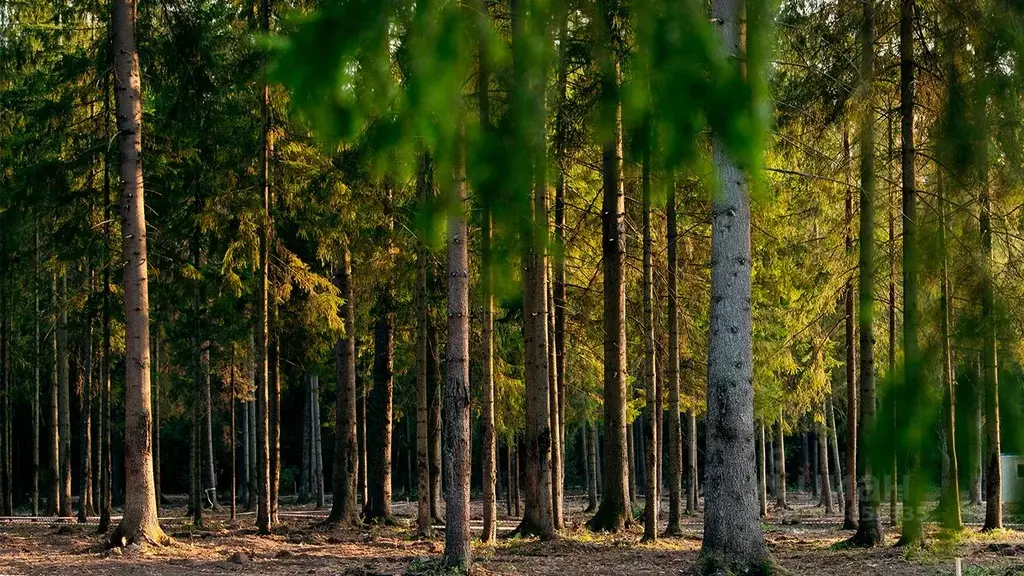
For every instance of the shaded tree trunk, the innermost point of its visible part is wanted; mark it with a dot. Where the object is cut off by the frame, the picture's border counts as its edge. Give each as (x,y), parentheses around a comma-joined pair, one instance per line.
(379,415)
(990,373)
(693,490)
(826,485)
(423,512)
(651,448)
(318,454)
(780,466)
(951,496)
(675,432)
(156,419)
(37,360)
(434,441)
(85,413)
(274,369)
(836,460)
(53,411)
(344,508)
(762,482)
(306,471)
(869,529)
(64,397)
(850,510)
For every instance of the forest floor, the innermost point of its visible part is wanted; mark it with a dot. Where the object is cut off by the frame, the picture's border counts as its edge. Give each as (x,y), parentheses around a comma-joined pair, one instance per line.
(803,539)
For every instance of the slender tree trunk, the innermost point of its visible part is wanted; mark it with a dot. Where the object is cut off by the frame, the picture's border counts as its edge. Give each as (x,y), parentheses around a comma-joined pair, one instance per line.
(37,360)
(826,485)
(762,482)
(264,511)
(274,369)
(780,467)
(139,521)
(85,414)
(344,509)
(509,483)
(869,529)
(379,415)
(64,397)
(834,441)
(977,419)
(489,531)
(253,472)
(951,499)
(850,510)
(318,453)
(693,490)
(234,441)
(106,463)
(589,466)
(361,440)
(651,448)
(423,515)
(53,410)
(515,477)
(769,457)
(675,432)
(893,478)
(434,445)
(306,470)
(156,419)
(990,372)
(732,528)
(632,457)
(557,444)
(209,466)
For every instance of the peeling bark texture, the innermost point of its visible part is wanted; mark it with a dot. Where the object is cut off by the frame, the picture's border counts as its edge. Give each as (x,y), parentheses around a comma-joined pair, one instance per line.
(732,527)
(457,551)
(139,522)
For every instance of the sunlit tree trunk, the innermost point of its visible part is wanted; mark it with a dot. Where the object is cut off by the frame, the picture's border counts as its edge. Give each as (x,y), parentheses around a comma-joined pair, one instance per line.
(614,512)
(139,521)
(264,511)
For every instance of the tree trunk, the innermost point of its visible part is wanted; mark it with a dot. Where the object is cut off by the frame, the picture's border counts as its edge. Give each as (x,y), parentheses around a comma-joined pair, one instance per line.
(651,448)
(344,509)
(264,512)
(769,457)
(457,551)
(762,482)
(139,522)
(423,516)
(990,373)
(106,463)
(318,453)
(826,486)
(951,498)
(156,420)
(378,416)
(632,457)
(850,510)
(913,525)
(85,413)
(693,490)
(869,529)
(732,528)
(306,470)
(834,441)
(893,479)
(274,370)
(53,411)
(589,466)
(489,531)
(64,398)
(614,513)
(434,443)
(780,467)
(37,360)
(209,466)
(557,444)
(675,431)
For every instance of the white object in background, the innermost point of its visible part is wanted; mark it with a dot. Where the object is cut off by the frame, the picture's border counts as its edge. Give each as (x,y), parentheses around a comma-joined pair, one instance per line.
(958,568)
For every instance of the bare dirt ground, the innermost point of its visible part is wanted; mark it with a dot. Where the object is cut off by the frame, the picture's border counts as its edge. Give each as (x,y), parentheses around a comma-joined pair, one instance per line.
(804,541)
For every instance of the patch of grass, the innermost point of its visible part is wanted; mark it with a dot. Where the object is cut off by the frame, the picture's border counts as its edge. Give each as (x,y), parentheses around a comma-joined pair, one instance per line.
(431,568)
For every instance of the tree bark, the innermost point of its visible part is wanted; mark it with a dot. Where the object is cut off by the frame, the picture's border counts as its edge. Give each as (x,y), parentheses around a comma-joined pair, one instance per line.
(457,551)
(318,453)
(826,485)
(53,411)
(85,413)
(139,521)
(344,508)
(951,498)
(64,398)
(990,373)
(780,466)
(732,528)
(434,396)
(379,415)
(156,419)
(850,510)
(651,448)
(274,392)
(762,482)
(693,490)
(869,529)
(614,512)
(306,470)
(37,360)
(834,442)
(675,432)
(423,515)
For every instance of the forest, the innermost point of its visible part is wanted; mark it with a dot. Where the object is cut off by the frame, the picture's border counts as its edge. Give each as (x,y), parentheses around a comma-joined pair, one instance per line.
(568,287)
